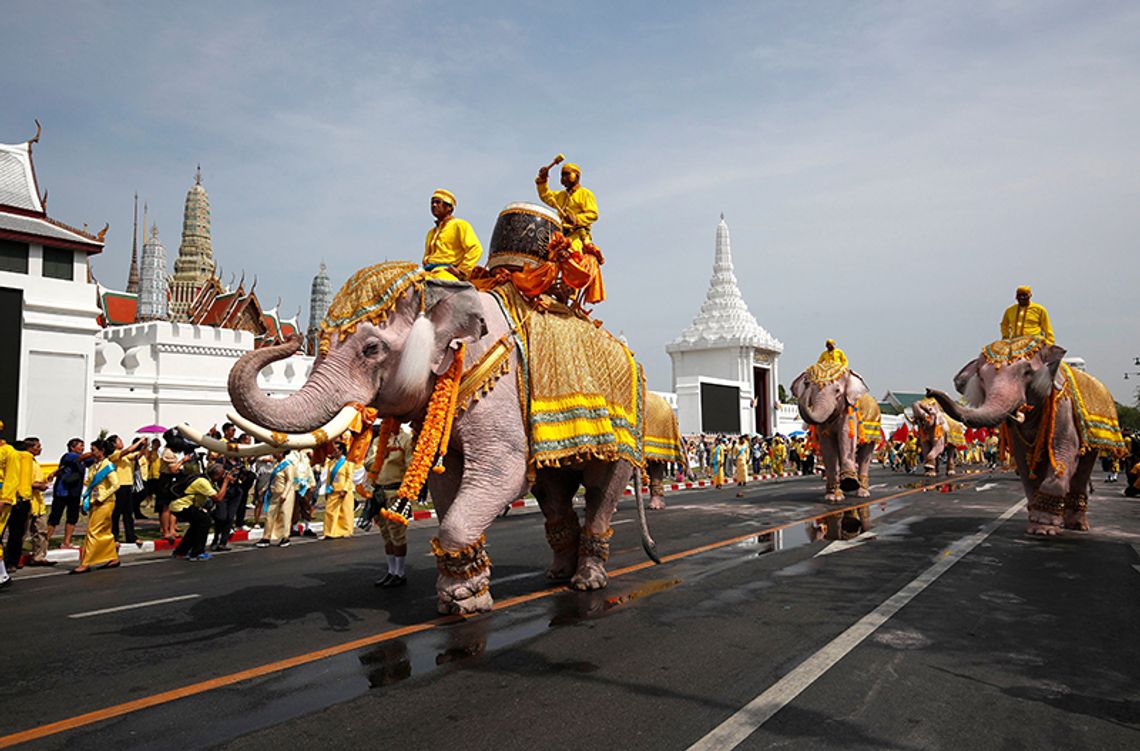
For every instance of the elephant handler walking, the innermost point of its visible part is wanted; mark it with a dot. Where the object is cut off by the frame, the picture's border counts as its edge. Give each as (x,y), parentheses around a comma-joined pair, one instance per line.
(1026,318)
(394,532)
(277,503)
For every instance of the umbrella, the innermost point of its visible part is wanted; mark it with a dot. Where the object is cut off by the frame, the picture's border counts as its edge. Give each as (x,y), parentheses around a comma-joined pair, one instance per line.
(796,434)
(151,429)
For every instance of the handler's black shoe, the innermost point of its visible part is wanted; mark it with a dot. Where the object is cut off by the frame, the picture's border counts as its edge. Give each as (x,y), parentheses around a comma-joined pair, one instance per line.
(395,581)
(383,580)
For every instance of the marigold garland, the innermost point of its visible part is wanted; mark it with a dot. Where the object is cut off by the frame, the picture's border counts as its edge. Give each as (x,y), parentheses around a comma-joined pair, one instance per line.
(437,422)
(389,427)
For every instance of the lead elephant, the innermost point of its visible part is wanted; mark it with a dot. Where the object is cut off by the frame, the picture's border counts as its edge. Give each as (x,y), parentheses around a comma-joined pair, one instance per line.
(936,436)
(836,401)
(1056,420)
(389,353)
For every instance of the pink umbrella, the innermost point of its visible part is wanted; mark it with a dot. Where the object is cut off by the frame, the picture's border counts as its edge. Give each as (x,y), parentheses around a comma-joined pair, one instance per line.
(151,429)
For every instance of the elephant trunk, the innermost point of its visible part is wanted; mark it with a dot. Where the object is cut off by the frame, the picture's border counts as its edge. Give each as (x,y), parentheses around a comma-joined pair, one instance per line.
(812,411)
(990,414)
(315,404)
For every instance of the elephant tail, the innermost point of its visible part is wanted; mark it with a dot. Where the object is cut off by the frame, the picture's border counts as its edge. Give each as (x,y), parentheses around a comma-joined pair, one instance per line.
(642,521)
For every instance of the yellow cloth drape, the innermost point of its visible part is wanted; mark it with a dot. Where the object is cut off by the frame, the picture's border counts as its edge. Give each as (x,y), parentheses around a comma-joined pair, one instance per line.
(340,503)
(1032,320)
(452,243)
(99,544)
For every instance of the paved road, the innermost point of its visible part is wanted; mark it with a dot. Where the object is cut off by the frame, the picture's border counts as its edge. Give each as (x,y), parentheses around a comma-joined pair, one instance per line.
(942,627)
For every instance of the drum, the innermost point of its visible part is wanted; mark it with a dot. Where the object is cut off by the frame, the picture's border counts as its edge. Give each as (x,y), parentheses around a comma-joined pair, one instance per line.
(522,234)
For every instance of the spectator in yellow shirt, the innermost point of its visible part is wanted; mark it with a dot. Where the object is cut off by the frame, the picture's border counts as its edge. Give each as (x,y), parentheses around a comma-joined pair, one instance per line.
(123,459)
(451,248)
(1026,318)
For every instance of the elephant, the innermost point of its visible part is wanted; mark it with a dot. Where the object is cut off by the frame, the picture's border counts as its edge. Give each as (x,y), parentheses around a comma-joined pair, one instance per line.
(662,446)
(390,360)
(934,431)
(1024,386)
(833,400)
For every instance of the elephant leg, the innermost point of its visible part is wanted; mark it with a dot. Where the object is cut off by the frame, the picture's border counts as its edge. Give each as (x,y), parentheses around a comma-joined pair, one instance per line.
(656,485)
(555,489)
(930,459)
(1077,500)
(605,482)
(863,456)
(1049,499)
(832,493)
(490,481)
(951,460)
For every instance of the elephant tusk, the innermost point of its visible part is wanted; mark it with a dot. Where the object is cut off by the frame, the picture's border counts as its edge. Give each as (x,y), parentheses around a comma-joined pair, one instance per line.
(333,428)
(221,447)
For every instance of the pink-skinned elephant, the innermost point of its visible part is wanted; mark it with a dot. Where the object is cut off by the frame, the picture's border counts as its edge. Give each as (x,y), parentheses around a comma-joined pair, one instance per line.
(827,399)
(1024,385)
(392,364)
(933,429)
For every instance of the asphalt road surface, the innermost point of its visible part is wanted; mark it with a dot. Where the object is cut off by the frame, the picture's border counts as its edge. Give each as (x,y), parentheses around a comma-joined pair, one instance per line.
(927,620)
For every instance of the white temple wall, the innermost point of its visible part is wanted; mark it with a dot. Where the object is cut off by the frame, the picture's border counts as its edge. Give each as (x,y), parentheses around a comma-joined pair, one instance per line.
(57,351)
(168,373)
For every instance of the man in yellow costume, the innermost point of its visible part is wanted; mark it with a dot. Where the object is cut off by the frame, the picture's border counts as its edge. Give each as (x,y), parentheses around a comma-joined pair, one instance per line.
(451,248)
(340,496)
(1026,318)
(6,457)
(578,210)
(832,354)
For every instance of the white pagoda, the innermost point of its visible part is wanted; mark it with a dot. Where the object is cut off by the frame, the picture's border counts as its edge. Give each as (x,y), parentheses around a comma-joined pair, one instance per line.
(725,371)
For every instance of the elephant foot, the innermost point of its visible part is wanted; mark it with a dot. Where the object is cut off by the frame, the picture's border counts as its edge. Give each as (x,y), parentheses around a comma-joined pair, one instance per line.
(834,497)
(862,493)
(1043,523)
(591,574)
(460,599)
(593,552)
(951,472)
(1076,520)
(563,566)
(930,472)
(656,503)
(464,579)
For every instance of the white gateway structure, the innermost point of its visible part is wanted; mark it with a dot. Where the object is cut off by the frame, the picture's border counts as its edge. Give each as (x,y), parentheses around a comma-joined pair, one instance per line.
(725,371)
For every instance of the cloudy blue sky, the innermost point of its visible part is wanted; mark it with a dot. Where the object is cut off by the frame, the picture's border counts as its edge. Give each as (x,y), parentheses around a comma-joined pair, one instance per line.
(889,171)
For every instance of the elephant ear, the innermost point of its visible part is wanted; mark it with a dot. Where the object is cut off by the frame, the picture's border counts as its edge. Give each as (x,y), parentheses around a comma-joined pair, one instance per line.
(1049,375)
(456,312)
(855,388)
(965,374)
(798,385)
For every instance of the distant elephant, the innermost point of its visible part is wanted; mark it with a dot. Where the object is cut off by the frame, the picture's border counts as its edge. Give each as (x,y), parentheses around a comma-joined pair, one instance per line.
(662,446)
(1056,419)
(935,436)
(389,358)
(836,401)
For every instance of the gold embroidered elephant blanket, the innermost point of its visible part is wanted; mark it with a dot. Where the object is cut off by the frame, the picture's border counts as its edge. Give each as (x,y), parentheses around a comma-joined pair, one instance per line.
(580,388)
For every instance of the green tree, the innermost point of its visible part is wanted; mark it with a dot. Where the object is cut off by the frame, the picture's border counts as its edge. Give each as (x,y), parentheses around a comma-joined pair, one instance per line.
(1129,416)
(783,394)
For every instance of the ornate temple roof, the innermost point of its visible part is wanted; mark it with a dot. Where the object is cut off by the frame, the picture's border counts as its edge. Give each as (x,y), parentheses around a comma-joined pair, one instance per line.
(23,213)
(724,319)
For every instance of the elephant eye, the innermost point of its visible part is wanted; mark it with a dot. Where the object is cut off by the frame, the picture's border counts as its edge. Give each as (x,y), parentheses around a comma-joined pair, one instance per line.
(374,348)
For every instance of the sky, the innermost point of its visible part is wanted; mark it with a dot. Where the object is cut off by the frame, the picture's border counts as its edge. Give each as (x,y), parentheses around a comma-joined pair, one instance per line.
(889,171)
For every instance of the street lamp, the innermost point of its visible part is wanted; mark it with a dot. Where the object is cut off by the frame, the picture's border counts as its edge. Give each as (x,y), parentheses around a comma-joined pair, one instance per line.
(1135,362)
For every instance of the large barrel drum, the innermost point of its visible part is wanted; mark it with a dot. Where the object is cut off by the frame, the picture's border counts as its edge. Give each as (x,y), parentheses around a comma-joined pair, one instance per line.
(522,234)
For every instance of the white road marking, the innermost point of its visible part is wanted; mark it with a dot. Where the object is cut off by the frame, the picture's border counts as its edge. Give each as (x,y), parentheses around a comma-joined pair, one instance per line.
(877,485)
(147,604)
(621,521)
(733,731)
(986,486)
(838,546)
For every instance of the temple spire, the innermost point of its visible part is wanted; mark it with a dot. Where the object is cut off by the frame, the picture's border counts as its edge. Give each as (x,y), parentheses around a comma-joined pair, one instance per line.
(724,319)
(133,274)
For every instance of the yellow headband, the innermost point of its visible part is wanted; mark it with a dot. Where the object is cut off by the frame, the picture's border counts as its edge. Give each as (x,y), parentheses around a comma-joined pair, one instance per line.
(571,167)
(1024,288)
(446,196)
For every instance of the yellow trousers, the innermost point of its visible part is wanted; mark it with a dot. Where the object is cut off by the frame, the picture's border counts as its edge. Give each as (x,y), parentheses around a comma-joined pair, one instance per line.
(5,512)
(339,514)
(99,544)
